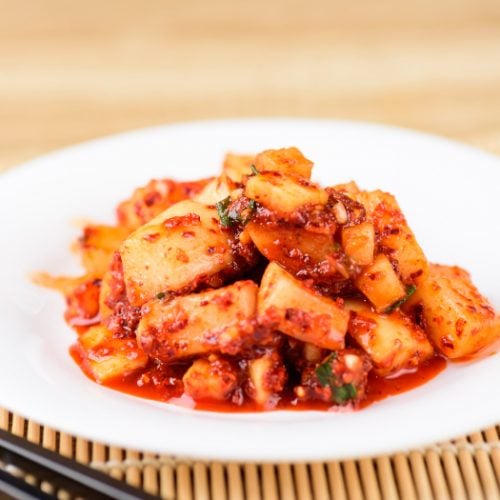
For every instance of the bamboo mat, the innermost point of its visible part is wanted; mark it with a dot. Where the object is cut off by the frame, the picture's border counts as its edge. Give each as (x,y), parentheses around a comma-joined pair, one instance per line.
(468,467)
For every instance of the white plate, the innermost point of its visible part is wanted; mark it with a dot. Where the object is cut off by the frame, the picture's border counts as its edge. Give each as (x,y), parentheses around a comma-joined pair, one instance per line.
(448,191)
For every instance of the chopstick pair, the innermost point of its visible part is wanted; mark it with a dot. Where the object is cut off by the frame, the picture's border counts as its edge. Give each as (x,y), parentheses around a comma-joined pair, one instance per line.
(64,474)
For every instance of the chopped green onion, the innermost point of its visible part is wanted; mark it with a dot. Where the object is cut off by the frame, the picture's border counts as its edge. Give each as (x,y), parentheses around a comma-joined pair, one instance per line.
(254,170)
(340,394)
(222,212)
(344,393)
(324,373)
(409,292)
(229,216)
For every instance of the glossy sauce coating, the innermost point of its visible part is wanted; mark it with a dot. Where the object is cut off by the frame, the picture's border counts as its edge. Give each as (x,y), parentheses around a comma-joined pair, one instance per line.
(378,388)
(260,290)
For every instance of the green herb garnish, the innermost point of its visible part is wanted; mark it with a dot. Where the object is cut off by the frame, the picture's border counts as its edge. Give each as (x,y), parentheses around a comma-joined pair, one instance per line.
(222,212)
(245,215)
(161,295)
(230,216)
(324,372)
(340,394)
(254,170)
(344,393)
(409,292)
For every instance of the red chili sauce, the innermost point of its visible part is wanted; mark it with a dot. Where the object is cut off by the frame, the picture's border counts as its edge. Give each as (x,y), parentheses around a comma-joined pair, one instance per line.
(171,389)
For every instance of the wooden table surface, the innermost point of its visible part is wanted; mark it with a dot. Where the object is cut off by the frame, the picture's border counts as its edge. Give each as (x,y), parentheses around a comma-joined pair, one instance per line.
(71,71)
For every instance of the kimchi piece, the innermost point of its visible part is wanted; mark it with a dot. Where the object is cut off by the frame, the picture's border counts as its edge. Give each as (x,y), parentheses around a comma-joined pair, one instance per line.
(260,289)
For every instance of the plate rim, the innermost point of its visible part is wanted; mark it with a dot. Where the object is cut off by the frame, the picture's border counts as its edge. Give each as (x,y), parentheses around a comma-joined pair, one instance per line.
(74,147)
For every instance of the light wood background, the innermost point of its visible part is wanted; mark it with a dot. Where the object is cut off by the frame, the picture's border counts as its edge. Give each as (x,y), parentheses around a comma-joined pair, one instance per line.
(74,70)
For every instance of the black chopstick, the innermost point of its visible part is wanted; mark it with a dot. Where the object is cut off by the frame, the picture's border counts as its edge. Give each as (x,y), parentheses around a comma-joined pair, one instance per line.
(14,487)
(63,473)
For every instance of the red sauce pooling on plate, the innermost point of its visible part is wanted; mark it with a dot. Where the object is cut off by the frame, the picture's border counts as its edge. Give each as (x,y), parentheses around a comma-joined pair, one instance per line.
(169,391)
(380,388)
